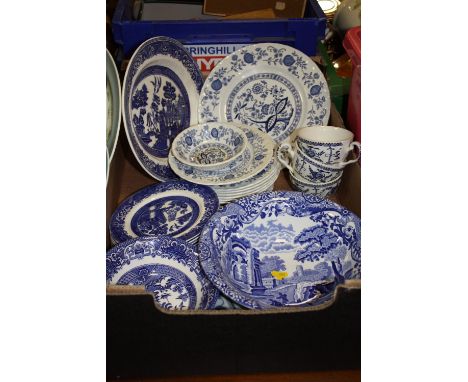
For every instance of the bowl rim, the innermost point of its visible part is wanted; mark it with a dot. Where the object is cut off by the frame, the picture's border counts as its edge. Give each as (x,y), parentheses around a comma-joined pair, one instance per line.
(211,166)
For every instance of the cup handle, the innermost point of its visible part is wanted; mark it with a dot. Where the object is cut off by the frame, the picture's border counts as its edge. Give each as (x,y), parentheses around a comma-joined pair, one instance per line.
(285,148)
(351,148)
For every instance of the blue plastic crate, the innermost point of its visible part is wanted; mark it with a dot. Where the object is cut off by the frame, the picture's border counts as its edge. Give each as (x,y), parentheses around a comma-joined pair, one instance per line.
(220,37)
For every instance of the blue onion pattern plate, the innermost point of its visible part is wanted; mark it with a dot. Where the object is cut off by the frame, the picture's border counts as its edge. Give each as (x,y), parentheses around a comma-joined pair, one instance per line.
(278,249)
(168,268)
(160,99)
(177,208)
(113,93)
(259,152)
(273,87)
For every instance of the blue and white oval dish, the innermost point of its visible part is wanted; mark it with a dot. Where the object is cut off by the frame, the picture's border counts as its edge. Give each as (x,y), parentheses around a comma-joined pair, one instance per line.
(177,208)
(279,249)
(160,99)
(168,268)
(273,87)
(210,145)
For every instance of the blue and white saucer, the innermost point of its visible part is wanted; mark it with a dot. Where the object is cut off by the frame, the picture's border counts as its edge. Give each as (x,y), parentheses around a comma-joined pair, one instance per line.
(278,249)
(257,155)
(160,99)
(273,87)
(168,268)
(177,208)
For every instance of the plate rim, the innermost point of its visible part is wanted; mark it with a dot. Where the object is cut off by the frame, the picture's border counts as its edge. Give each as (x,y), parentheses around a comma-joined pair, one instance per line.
(128,87)
(116,93)
(210,204)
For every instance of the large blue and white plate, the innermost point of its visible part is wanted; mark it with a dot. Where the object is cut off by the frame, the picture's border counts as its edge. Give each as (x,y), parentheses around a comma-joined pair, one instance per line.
(279,249)
(257,156)
(273,87)
(113,94)
(177,208)
(168,268)
(160,99)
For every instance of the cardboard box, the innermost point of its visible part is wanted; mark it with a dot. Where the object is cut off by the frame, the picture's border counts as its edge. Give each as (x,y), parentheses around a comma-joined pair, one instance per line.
(282,8)
(146,341)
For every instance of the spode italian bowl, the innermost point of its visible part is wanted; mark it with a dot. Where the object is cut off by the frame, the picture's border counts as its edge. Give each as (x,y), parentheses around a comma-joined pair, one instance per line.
(210,145)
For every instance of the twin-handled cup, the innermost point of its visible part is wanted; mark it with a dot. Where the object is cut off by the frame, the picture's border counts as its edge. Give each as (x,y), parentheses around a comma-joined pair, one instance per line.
(299,164)
(328,145)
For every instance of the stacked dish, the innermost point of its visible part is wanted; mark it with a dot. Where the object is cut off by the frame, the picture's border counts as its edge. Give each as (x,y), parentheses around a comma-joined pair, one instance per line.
(177,208)
(235,160)
(168,268)
(280,249)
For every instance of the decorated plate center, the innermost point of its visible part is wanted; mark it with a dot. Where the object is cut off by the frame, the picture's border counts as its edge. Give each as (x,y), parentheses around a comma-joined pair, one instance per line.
(160,109)
(170,215)
(267,101)
(290,262)
(212,152)
(171,288)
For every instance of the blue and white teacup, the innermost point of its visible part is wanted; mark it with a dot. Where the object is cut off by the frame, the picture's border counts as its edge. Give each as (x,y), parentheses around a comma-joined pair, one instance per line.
(319,189)
(328,145)
(299,164)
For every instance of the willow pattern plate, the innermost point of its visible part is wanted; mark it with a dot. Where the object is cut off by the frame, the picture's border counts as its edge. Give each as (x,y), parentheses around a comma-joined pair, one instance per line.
(176,208)
(160,99)
(261,147)
(113,104)
(168,268)
(273,87)
(280,249)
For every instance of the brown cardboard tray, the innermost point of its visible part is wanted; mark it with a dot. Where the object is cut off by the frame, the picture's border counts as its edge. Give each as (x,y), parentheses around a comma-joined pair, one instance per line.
(144,340)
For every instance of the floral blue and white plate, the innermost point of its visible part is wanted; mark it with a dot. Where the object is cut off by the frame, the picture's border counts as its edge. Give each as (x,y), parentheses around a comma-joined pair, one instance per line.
(259,153)
(168,268)
(273,87)
(160,99)
(279,249)
(177,208)
(113,104)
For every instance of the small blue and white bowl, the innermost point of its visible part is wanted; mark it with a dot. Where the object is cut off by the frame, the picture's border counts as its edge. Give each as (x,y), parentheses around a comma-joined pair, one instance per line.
(319,189)
(169,268)
(209,146)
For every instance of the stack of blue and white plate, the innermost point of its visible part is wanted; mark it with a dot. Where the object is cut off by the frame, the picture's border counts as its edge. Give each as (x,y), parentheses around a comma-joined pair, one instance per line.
(235,160)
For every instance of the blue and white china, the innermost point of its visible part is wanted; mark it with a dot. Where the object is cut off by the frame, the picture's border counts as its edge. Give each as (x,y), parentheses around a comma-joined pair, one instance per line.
(177,208)
(260,149)
(319,189)
(279,249)
(210,145)
(329,145)
(168,268)
(273,87)
(160,99)
(223,303)
(113,104)
(301,165)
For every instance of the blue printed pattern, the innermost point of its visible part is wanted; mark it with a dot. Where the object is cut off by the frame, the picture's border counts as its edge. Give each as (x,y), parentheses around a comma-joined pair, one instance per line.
(313,171)
(327,153)
(273,106)
(177,208)
(171,288)
(157,166)
(167,267)
(160,109)
(209,143)
(255,159)
(268,100)
(319,189)
(281,249)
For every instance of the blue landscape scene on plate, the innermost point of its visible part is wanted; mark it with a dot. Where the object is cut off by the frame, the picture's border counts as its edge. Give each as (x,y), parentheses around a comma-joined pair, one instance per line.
(160,109)
(150,149)
(167,267)
(171,288)
(281,249)
(176,208)
(169,215)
